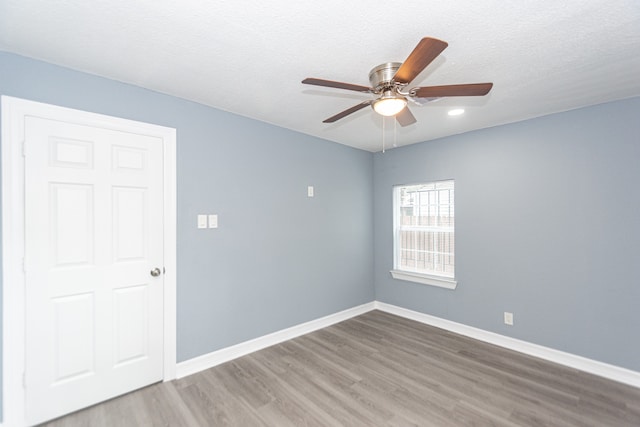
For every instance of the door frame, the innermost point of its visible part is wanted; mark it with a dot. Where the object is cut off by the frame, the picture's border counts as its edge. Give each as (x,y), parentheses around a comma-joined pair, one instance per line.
(14,111)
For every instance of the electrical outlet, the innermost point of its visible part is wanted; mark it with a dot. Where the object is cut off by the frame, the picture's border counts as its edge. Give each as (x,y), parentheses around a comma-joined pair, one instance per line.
(310,191)
(508,318)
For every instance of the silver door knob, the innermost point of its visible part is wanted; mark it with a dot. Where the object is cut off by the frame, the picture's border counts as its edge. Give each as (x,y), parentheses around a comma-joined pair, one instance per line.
(155,272)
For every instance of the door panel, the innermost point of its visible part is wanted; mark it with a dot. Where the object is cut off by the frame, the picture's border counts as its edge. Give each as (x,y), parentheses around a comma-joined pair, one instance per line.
(131,318)
(74,337)
(129,213)
(72,228)
(94,225)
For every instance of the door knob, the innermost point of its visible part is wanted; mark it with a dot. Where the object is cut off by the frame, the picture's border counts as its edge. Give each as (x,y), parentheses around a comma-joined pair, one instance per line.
(155,272)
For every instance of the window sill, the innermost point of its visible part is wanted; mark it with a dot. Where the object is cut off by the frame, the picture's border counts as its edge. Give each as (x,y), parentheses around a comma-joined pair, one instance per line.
(441,282)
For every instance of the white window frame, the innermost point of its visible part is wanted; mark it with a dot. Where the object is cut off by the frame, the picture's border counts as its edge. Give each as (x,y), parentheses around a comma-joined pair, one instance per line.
(432,278)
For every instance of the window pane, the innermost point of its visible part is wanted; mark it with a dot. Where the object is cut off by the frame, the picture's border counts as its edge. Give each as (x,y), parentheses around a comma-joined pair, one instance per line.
(424,221)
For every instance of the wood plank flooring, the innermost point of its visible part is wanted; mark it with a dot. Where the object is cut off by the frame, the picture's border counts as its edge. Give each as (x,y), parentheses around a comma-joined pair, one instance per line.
(376,369)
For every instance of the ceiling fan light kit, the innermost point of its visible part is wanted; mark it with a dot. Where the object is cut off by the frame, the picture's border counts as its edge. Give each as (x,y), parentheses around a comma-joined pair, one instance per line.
(389,80)
(389,104)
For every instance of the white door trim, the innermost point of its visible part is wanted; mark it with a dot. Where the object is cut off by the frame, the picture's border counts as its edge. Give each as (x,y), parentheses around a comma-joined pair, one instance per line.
(14,110)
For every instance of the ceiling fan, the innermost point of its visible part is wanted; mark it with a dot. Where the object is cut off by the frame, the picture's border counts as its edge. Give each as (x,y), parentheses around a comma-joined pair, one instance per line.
(389,80)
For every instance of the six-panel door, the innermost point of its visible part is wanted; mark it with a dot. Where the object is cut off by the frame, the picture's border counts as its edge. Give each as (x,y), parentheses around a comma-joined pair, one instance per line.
(93,233)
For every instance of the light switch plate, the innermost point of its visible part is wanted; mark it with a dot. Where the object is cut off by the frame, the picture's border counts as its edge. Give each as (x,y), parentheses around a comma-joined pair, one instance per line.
(213,221)
(310,191)
(202,221)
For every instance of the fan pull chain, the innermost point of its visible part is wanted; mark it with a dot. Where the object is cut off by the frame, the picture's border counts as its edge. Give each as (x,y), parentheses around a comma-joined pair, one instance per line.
(395,133)
(383,132)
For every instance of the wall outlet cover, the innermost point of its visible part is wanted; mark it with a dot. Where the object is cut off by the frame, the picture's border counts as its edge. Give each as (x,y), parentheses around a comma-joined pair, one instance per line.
(508,318)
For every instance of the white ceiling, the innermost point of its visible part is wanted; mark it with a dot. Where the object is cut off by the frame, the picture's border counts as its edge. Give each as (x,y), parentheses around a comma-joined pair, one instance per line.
(248,57)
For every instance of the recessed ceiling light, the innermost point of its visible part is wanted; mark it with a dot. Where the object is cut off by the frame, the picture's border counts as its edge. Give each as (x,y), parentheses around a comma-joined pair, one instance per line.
(456,112)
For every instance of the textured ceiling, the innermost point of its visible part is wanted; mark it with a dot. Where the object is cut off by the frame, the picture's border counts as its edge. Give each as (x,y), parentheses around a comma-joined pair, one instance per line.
(248,57)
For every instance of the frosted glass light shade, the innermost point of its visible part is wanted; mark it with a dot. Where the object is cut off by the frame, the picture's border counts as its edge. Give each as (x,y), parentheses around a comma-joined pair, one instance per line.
(389,106)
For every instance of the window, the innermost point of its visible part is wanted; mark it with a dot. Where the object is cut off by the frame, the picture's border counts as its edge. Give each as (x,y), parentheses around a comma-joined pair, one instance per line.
(424,238)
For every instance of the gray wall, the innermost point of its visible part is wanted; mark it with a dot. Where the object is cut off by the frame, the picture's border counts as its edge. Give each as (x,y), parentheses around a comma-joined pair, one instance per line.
(279,258)
(547,227)
(546,220)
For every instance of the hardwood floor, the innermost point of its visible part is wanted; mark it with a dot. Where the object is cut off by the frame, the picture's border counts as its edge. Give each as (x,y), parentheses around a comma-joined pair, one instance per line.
(376,369)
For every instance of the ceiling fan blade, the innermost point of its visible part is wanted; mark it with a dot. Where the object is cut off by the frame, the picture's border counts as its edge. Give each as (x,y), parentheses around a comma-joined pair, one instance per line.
(337,85)
(471,89)
(405,117)
(347,112)
(424,53)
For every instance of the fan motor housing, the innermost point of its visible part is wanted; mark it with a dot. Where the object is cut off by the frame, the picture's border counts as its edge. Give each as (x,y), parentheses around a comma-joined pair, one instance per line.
(381,76)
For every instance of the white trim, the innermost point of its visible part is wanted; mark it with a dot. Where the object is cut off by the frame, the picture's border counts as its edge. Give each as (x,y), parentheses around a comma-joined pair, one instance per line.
(12,254)
(215,358)
(441,282)
(170,254)
(595,367)
(14,111)
(605,370)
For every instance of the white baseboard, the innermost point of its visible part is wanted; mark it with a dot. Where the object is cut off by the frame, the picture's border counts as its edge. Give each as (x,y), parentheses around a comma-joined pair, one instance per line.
(601,369)
(210,360)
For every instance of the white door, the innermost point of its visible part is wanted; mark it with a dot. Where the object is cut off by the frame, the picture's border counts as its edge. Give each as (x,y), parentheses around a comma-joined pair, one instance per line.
(93,236)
